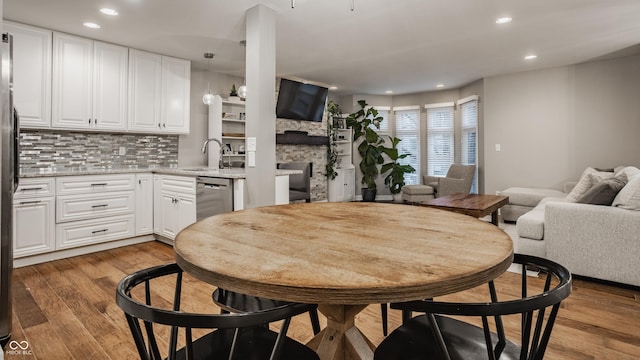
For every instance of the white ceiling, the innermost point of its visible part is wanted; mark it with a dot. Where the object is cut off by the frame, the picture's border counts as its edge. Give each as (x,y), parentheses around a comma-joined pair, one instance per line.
(403,45)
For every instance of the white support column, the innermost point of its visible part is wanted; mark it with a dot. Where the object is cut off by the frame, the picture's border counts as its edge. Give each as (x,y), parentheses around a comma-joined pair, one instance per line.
(261,105)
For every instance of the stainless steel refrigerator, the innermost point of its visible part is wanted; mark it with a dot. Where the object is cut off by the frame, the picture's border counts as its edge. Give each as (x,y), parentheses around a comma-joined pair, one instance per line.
(9,173)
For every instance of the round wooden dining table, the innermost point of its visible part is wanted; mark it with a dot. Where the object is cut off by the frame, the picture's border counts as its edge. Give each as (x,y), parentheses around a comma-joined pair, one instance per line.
(343,256)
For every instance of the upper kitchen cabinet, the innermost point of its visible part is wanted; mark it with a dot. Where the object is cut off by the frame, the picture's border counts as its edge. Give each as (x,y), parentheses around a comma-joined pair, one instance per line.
(89,84)
(159,93)
(31,74)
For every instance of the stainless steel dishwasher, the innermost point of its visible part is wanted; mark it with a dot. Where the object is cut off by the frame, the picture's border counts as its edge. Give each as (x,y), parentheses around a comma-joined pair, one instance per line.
(213,196)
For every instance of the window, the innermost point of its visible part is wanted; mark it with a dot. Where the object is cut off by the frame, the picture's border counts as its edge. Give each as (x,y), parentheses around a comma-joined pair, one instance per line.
(384,124)
(408,130)
(469,137)
(440,138)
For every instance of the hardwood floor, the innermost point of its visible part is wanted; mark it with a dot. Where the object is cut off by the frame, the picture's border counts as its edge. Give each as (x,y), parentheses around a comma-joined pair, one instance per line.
(65,309)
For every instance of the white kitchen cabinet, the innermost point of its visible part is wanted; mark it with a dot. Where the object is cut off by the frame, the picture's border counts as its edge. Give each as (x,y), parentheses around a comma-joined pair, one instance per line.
(144,204)
(31,74)
(93,231)
(89,84)
(94,209)
(110,64)
(34,217)
(159,93)
(176,95)
(342,188)
(175,204)
(145,91)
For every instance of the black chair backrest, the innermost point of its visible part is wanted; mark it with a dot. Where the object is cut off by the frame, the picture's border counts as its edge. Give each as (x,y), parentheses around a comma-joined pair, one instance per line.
(137,311)
(535,331)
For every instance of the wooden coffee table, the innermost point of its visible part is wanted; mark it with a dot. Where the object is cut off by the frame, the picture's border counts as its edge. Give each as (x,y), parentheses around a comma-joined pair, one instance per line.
(471,204)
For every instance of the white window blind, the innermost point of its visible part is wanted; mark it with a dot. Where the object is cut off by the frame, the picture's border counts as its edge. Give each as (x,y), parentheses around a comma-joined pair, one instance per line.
(469,137)
(440,138)
(408,130)
(383,111)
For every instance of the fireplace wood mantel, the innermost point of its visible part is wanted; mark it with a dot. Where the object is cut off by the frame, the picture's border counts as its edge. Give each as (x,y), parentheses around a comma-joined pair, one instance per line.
(301,139)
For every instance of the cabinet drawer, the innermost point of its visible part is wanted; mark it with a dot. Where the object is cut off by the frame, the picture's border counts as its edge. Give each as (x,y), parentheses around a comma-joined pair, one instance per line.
(88,206)
(181,184)
(87,232)
(70,185)
(35,187)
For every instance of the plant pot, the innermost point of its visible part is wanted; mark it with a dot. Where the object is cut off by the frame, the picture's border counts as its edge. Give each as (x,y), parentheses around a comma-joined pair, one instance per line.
(368,195)
(397,198)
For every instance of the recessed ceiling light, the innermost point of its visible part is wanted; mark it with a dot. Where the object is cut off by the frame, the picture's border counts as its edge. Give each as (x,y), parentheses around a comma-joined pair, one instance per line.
(108,11)
(91,25)
(504,20)
(389,92)
(333,88)
(440,85)
(530,57)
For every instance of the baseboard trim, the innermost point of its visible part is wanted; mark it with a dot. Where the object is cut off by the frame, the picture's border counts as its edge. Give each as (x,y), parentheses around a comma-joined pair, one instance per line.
(63,254)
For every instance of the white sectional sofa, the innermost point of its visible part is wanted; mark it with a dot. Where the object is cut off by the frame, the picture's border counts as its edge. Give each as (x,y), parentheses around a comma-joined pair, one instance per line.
(597,241)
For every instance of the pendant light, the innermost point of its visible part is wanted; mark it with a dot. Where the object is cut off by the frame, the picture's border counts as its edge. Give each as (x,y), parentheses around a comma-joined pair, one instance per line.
(242,90)
(207,99)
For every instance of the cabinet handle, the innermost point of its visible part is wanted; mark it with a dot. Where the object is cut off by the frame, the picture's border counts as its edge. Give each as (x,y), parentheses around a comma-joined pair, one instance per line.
(32,189)
(164,125)
(99,184)
(30,202)
(140,181)
(89,121)
(99,206)
(159,125)
(95,121)
(99,231)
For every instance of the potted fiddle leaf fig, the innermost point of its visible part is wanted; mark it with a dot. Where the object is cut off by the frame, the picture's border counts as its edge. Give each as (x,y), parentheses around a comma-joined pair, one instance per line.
(332,151)
(364,123)
(394,170)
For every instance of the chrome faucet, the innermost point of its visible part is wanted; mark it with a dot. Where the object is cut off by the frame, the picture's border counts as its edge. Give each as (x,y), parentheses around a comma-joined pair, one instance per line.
(204,151)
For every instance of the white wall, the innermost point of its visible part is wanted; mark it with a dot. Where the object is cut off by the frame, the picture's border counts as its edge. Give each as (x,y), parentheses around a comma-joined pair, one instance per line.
(189,146)
(553,123)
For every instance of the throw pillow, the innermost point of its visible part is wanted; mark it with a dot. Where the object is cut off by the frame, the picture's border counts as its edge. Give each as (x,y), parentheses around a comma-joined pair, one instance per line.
(588,178)
(603,192)
(629,197)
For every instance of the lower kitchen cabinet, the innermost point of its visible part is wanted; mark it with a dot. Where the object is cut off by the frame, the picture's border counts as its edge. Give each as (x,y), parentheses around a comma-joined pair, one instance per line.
(144,204)
(34,217)
(33,226)
(86,232)
(175,204)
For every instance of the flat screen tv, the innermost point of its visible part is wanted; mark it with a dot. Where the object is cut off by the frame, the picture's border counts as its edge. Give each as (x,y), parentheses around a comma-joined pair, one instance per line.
(298,101)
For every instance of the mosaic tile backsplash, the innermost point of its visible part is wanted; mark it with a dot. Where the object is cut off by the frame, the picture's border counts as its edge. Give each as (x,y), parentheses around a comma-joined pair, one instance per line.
(44,149)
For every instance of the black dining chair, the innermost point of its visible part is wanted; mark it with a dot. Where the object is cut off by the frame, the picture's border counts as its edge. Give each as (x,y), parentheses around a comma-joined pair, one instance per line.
(234,302)
(232,336)
(436,336)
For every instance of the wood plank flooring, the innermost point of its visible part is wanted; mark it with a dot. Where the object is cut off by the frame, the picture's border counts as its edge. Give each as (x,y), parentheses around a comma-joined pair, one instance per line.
(65,309)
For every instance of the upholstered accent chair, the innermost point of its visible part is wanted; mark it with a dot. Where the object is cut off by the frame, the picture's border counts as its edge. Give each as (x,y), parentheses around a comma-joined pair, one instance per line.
(458,180)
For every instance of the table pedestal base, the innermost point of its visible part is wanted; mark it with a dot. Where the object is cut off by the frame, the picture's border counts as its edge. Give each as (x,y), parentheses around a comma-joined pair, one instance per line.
(341,339)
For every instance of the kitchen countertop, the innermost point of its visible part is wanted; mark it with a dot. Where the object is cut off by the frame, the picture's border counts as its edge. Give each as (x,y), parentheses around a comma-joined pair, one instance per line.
(234,173)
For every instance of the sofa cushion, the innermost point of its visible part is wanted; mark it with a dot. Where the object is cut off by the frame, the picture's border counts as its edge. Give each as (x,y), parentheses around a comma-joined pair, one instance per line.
(588,178)
(531,224)
(529,196)
(417,189)
(629,197)
(604,191)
